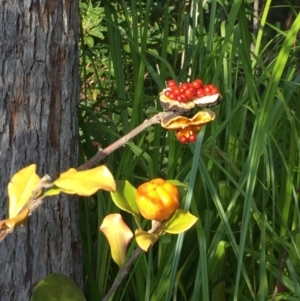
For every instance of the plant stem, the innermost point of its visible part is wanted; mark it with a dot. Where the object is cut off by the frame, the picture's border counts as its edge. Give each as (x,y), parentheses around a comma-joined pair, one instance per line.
(125,269)
(100,156)
(124,140)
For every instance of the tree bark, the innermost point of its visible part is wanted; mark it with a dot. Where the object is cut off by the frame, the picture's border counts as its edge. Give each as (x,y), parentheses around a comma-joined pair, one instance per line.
(39,89)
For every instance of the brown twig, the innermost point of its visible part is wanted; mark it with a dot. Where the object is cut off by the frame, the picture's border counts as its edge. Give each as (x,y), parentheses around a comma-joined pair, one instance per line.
(4,233)
(278,282)
(124,140)
(125,269)
(279,288)
(34,202)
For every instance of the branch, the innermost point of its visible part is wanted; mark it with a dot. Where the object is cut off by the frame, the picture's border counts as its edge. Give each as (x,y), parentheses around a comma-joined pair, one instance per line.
(35,201)
(100,156)
(125,269)
(279,288)
(124,140)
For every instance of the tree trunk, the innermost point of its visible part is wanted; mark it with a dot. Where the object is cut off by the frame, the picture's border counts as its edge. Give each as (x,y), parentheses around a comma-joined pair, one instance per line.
(39,89)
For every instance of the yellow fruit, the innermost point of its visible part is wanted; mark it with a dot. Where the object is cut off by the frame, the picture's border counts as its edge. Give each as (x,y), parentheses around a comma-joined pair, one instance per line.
(157,199)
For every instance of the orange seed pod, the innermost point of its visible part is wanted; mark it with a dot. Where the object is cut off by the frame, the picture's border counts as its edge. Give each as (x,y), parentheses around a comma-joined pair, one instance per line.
(157,199)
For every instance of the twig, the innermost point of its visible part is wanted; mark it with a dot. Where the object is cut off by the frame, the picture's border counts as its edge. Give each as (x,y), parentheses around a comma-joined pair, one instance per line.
(4,233)
(280,269)
(34,202)
(124,140)
(125,269)
(279,286)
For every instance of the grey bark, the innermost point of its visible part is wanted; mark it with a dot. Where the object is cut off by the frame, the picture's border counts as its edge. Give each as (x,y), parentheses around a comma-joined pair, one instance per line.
(39,84)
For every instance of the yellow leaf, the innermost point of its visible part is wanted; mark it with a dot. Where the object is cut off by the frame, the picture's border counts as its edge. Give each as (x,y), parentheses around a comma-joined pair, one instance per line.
(86,182)
(181,221)
(18,220)
(145,240)
(118,235)
(20,189)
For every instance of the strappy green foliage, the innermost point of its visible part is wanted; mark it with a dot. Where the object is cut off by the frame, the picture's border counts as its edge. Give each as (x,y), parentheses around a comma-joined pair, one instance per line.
(243,173)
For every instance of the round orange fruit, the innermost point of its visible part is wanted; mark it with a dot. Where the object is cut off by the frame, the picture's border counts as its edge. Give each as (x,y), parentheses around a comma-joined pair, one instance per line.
(157,199)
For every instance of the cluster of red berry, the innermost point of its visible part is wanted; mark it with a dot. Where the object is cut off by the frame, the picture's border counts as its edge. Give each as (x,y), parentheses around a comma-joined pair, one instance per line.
(189,91)
(185,139)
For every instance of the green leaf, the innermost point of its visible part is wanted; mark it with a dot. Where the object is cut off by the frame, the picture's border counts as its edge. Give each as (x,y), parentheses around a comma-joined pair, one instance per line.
(96,33)
(89,41)
(217,262)
(181,221)
(118,235)
(52,191)
(182,188)
(124,198)
(57,287)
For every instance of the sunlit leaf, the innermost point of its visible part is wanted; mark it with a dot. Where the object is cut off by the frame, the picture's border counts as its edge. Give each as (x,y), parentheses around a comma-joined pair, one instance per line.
(16,221)
(181,221)
(118,235)
(20,189)
(217,262)
(176,183)
(182,188)
(124,198)
(52,191)
(85,183)
(57,287)
(145,240)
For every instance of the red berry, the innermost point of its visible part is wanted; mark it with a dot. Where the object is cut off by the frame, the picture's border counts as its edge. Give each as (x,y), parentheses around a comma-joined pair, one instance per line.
(207,90)
(214,90)
(183,139)
(179,98)
(172,95)
(184,86)
(193,138)
(197,83)
(189,93)
(176,90)
(200,93)
(171,83)
(184,98)
(167,93)
(192,88)
(198,80)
